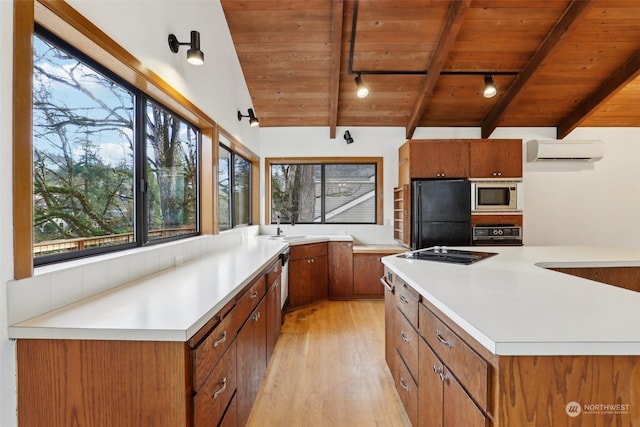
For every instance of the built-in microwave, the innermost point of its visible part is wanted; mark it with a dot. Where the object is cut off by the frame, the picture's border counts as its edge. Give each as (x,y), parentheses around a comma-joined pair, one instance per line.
(496,196)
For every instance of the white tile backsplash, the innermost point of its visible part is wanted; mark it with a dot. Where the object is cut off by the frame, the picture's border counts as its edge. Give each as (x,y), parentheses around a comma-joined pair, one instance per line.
(28,298)
(58,285)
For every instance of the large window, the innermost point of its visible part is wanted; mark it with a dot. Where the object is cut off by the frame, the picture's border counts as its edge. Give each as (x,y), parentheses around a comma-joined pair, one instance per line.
(325,191)
(234,189)
(111,168)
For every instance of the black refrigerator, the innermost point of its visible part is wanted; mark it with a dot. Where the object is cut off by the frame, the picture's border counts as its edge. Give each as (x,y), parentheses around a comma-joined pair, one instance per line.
(441,213)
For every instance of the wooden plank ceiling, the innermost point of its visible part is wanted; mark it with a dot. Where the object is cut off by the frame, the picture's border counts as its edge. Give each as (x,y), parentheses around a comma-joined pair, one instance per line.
(559,63)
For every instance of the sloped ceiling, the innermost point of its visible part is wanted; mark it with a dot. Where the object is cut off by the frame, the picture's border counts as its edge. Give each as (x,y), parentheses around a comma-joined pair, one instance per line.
(555,63)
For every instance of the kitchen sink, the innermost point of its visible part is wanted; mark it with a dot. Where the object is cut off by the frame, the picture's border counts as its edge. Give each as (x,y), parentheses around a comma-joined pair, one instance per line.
(290,238)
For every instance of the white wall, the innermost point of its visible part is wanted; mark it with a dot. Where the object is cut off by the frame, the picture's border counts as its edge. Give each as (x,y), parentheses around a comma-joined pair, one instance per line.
(7,352)
(574,203)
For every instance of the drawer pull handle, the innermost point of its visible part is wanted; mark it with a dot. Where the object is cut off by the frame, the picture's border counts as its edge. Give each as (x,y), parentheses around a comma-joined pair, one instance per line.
(222,388)
(443,377)
(437,369)
(220,340)
(442,340)
(404,385)
(404,337)
(253,295)
(256,316)
(404,299)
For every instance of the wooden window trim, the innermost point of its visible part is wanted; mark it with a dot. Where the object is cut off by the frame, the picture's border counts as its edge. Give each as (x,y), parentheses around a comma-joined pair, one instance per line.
(378,161)
(65,22)
(234,145)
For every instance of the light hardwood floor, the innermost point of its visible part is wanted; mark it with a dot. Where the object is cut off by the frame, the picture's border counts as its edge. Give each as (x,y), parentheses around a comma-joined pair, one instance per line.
(328,369)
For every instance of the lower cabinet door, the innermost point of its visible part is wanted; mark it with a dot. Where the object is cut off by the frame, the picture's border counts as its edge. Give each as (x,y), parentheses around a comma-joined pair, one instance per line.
(458,408)
(230,418)
(251,360)
(431,391)
(408,390)
(211,400)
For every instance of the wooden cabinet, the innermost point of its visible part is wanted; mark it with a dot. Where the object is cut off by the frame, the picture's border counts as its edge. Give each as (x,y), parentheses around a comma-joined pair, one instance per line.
(443,401)
(212,379)
(451,360)
(405,337)
(462,383)
(401,216)
(495,158)
(252,361)
(340,270)
(367,271)
(428,382)
(308,274)
(213,398)
(434,158)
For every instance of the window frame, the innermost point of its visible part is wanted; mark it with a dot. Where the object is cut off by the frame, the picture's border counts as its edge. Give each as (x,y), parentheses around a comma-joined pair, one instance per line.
(140,167)
(377,161)
(65,22)
(232,156)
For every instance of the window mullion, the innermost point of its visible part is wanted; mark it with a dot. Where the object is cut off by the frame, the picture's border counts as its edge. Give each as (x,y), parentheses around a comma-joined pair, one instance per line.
(141,210)
(322,193)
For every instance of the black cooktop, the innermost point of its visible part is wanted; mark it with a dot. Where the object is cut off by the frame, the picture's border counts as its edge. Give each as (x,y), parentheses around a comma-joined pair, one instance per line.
(444,254)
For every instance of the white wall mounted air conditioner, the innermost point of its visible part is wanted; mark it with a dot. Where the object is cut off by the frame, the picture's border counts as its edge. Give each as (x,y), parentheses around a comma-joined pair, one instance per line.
(586,151)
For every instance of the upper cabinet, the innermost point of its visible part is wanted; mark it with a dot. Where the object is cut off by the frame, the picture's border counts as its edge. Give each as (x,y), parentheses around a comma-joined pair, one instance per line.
(495,158)
(437,158)
(459,158)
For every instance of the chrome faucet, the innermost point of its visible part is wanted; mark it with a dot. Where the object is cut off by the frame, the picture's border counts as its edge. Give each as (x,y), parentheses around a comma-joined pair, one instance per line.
(278,230)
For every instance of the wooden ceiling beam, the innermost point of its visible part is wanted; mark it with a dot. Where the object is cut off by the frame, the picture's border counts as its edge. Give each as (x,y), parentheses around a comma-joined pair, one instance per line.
(451,27)
(625,74)
(337,7)
(567,22)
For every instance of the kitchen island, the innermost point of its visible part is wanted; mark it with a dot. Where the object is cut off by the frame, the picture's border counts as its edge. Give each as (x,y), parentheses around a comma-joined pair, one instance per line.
(511,342)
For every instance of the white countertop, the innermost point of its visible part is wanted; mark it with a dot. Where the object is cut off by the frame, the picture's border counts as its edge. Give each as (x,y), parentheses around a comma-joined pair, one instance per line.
(170,305)
(514,306)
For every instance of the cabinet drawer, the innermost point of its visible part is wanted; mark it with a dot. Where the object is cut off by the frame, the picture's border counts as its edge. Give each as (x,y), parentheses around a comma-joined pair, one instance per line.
(208,352)
(406,339)
(309,251)
(407,390)
(407,300)
(273,273)
(212,399)
(461,359)
(249,301)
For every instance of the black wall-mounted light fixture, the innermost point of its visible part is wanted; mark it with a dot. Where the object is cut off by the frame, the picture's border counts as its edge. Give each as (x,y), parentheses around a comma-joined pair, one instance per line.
(490,89)
(347,137)
(253,120)
(194,55)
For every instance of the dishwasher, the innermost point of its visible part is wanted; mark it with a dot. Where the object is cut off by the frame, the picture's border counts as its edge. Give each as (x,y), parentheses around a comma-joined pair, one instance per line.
(284,277)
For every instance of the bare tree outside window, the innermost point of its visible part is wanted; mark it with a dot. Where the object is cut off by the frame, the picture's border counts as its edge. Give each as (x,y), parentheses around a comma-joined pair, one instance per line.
(324,193)
(84,169)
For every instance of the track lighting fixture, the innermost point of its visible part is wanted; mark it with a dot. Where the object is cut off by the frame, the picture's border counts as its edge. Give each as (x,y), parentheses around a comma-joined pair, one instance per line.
(489,87)
(361,89)
(194,55)
(253,120)
(347,137)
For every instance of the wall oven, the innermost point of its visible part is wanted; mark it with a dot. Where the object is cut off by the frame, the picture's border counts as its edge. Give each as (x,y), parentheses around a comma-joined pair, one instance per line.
(496,196)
